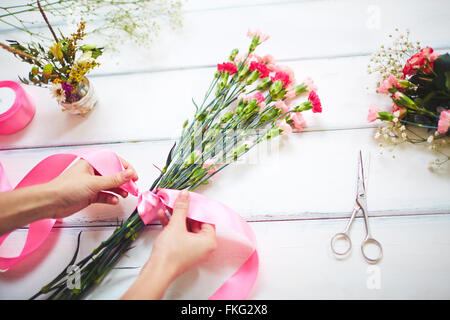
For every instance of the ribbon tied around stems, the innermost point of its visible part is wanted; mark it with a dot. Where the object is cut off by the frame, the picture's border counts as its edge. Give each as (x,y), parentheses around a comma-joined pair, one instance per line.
(106,162)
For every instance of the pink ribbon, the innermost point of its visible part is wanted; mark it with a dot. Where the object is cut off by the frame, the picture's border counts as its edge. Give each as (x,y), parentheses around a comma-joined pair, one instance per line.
(106,162)
(20,113)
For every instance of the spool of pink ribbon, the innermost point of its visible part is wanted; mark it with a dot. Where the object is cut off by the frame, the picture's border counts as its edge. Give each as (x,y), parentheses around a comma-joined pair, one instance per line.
(16,107)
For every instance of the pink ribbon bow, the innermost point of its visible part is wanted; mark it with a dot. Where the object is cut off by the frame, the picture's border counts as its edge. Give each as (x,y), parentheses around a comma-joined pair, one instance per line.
(106,162)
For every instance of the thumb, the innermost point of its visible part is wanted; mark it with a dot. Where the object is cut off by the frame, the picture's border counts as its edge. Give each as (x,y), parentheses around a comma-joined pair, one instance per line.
(180,209)
(114,180)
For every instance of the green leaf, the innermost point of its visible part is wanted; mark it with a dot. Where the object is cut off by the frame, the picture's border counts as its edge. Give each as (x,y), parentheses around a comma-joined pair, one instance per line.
(441,67)
(447,81)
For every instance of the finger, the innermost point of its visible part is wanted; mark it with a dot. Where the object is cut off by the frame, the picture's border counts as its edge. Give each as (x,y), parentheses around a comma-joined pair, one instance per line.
(207,236)
(208,229)
(112,181)
(180,208)
(119,191)
(194,226)
(127,165)
(108,198)
(163,217)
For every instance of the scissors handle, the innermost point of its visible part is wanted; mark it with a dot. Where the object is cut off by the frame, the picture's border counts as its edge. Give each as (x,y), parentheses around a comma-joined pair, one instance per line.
(369,240)
(341,236)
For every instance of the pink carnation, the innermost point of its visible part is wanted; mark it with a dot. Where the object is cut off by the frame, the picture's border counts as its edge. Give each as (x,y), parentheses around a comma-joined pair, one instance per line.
(282,106)
(387,84)
(444,122)
(228,67)
(262,37)
(398,95)
(283,77)
(290,94)
(287,70)
(261,67)
(267,59)
(298,123)
(310,84)
(258,96)
(283,125)
(317,105)
(420,60)
(401,110)
(373,113)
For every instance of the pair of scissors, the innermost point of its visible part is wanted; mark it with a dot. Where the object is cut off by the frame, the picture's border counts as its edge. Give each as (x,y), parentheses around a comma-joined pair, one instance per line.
(360,205)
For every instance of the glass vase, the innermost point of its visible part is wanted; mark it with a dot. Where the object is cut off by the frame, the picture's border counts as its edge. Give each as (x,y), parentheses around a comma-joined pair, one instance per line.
(85,99)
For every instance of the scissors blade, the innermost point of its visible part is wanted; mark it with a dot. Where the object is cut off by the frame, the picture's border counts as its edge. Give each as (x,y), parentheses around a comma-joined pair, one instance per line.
(360,182)
(363,174)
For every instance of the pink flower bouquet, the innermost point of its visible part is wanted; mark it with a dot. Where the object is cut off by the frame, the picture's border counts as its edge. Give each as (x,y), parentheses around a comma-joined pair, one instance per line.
(420,92)
(248,101)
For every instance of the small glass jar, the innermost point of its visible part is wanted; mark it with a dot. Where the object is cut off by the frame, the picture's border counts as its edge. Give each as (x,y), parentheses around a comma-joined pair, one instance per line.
(85,103)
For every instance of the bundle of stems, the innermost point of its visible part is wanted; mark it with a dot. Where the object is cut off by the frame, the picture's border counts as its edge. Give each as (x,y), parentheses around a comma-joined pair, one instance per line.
(227,124)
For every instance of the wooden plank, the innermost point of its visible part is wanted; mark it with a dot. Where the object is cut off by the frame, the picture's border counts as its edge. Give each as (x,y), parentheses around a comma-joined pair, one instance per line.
(153,106)
(308,175)
(34,20)
(299,30)
(295,262)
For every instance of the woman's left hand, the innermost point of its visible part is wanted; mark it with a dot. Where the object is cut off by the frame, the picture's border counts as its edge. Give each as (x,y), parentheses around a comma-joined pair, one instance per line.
(79,186)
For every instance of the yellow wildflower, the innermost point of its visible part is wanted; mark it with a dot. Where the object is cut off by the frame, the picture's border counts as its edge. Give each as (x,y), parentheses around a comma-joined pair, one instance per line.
(56,51)
(79,71)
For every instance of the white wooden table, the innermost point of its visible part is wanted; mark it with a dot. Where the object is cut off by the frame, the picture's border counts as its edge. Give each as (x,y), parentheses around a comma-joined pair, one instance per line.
(299,196)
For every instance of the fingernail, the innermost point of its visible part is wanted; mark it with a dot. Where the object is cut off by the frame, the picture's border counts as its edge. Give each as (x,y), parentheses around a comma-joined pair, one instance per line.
(184,194)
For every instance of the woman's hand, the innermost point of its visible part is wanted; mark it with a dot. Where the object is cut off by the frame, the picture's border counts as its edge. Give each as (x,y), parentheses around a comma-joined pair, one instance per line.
(182,244)
(79,186)
(73,190)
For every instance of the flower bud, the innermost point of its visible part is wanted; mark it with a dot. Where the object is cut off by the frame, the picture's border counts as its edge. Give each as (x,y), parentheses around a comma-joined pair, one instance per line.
(253,77)
(385,116)
(403,100)
(233,54)
(88,47)
(300,89)
(275,131)
(276,87)
(264,84)
(406,84)
(226,117)
(252,106)
(254,44)
(307,105)
(243,73)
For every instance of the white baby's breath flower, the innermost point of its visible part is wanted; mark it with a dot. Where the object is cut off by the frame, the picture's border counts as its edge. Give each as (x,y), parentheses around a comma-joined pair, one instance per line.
(430,139)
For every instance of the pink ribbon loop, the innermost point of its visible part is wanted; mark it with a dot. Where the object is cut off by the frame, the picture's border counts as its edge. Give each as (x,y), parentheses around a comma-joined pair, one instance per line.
(148,205)
(105,162)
